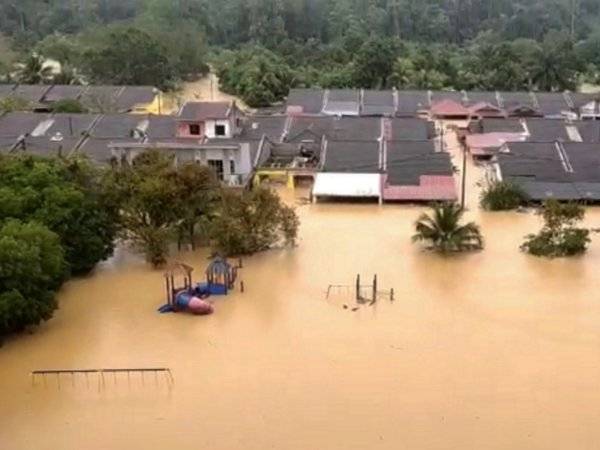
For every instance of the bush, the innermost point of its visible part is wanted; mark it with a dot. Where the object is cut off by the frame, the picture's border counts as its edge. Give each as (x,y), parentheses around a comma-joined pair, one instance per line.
(559,236)
(32,267)
(502,196)
(68,106)
(251,222)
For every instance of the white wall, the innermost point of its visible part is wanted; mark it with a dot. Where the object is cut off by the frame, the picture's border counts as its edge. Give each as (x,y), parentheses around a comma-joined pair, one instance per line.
(210,128)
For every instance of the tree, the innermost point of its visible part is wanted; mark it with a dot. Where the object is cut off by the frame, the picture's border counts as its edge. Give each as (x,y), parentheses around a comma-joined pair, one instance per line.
(160,203)
(34,70)
(443,231)
(251,222)
(32,268)
(502,196)
(68,198)
(374,62)
(559,236)
(130,56)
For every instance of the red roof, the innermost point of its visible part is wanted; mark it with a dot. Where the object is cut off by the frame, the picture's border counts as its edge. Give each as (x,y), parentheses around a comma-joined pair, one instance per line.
(430,188)
(449,108)
(485,109)
(487,143)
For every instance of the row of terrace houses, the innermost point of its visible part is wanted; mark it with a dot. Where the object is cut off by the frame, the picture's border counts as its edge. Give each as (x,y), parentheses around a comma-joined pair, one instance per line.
(444,105)
(487,136)
(122,99)
(399,158)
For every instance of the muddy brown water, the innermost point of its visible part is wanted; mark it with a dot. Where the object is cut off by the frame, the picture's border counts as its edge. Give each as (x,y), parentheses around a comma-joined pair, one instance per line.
(493,350)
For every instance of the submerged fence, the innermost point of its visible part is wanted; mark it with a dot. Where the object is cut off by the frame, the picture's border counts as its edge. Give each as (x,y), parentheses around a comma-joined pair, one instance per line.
(141,373)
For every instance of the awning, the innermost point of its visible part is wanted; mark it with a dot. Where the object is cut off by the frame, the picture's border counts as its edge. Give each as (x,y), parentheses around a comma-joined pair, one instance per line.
(347,185)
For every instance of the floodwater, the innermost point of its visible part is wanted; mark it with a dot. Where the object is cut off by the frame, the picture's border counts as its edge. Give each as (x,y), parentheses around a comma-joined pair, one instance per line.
(492,350)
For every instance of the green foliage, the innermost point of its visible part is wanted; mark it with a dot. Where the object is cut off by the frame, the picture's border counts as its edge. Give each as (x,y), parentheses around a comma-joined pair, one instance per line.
(159,203)
(502,196)
(10,104)
(443,231)
(68,106)
(147,61)
(34,70)
(68,198)
(32,268)
(251,222)
(256,74)
(374,62)
(559,236)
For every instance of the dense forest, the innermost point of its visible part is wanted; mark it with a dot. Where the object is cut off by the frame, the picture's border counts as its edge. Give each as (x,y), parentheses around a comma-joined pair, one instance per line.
(261,48)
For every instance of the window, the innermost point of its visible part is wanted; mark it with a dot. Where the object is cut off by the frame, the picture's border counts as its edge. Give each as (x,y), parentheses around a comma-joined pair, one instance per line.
(219,130)
(217,166)
(232,167)
(194,129)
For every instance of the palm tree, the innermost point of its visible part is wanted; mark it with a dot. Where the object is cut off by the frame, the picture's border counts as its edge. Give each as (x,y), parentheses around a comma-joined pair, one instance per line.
(443,231)
(34,71)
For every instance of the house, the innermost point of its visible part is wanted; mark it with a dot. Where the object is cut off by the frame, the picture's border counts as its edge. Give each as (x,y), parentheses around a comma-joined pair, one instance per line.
(519,104)
(101,99)
(305,102)
(484,146)
(350,170)
(139,100)
(412,103)
(415,171)
(552,105)
(378,103)
(563,171)
(62,92)
(586,106)
(483,110)
(475,97)
(208,119)
(342,102)
(16,126)
(448,109)
(32,94)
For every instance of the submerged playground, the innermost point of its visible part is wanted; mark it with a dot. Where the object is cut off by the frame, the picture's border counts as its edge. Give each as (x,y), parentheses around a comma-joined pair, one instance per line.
(494,350)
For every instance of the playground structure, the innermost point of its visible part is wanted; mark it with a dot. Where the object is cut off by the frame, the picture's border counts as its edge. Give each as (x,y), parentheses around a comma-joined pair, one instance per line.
(187,297)
(160,373)
(362,293)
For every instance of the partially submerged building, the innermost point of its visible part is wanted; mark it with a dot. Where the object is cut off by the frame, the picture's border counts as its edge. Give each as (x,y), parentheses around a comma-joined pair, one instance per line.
(544,170)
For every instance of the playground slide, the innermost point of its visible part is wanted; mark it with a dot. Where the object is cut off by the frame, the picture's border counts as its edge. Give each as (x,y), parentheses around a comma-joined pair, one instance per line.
(189,302)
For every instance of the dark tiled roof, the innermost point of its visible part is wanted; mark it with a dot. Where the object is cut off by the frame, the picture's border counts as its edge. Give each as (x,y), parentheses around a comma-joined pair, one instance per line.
(351,157)
(407,161)
(502,126)
(116,126)
(19,123)
(304,128)
(135,95)
(551,104)
(74,125)
(439,96)
(98,150)
(6,90)
(342,102)
(411,102)
(514,99)
(378,103)
(199,111)
(310,100)
(7,143)
(589,130)
(100,98)
(355,129)
(256,127)
(547,130)
(45,146)
(475,97)
(579,99)
(161,127)
(31,92)
(63,92)
(410,129)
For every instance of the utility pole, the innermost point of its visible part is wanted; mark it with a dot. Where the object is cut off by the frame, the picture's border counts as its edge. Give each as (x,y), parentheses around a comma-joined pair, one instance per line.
(464,178)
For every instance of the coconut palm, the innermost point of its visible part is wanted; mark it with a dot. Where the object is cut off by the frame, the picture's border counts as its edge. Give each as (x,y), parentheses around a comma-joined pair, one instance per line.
(444,232)
(34,70)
